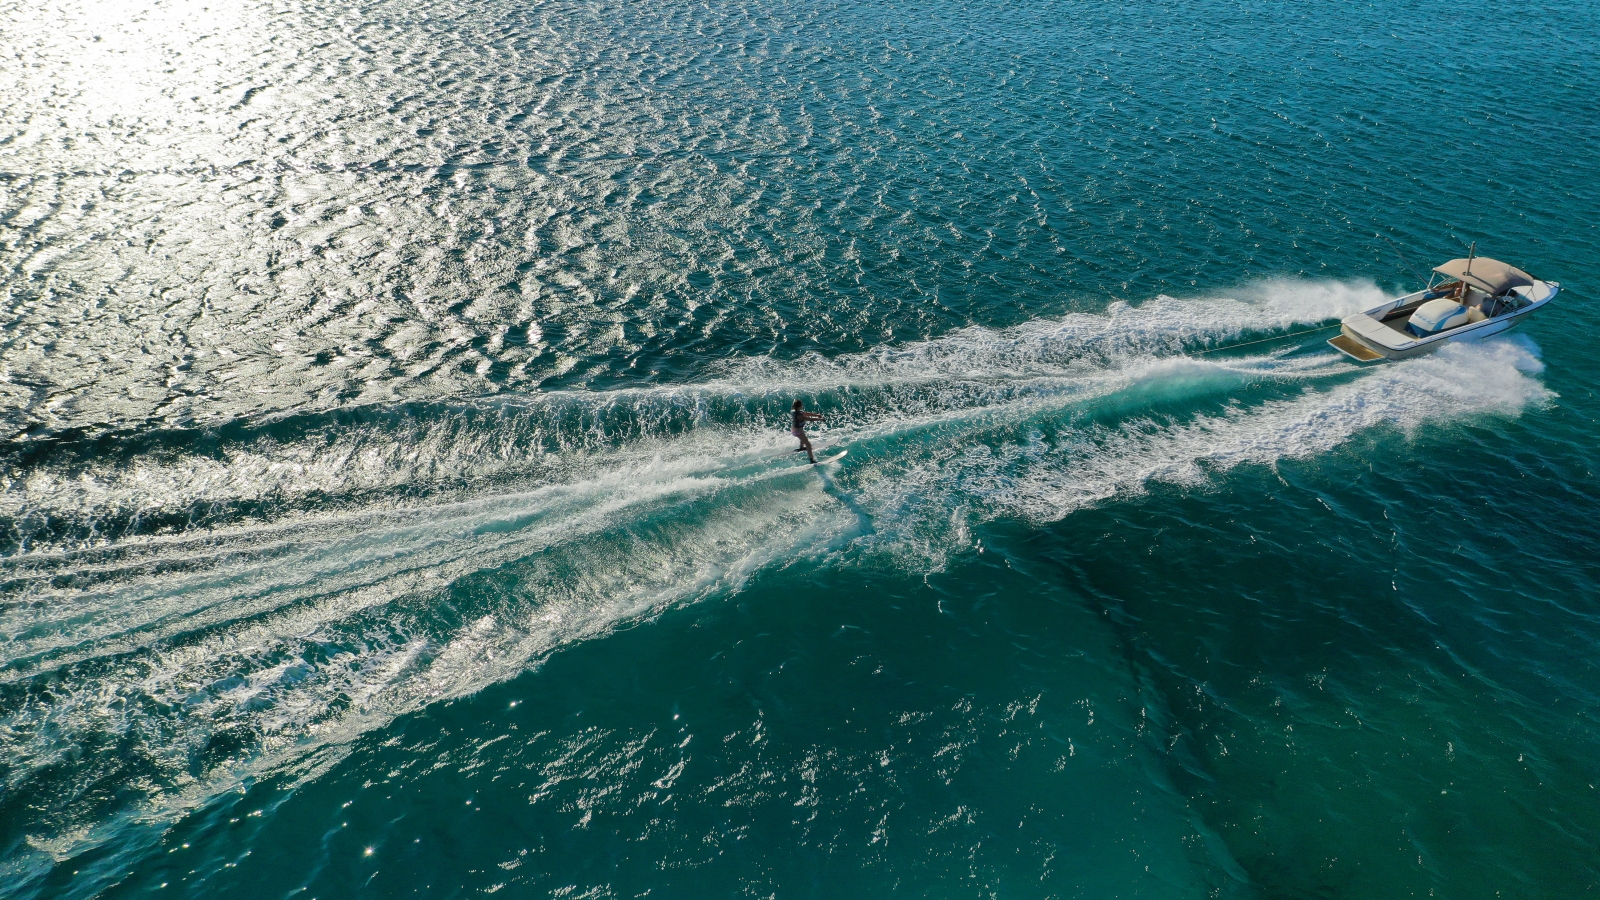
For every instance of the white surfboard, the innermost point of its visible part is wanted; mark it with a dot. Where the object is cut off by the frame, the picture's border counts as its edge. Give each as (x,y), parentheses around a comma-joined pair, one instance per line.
(785,468)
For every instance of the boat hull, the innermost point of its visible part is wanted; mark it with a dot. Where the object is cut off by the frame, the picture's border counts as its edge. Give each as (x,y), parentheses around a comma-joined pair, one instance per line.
(1473,332)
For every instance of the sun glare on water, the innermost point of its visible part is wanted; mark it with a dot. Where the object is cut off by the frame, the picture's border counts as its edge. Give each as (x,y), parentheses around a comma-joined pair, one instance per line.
(106,85)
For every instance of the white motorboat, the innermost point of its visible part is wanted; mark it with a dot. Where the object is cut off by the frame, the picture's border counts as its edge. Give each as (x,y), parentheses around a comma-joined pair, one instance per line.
(1466,299)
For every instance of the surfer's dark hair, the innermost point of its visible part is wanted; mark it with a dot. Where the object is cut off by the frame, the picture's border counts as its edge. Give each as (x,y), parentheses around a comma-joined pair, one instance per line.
(798,404)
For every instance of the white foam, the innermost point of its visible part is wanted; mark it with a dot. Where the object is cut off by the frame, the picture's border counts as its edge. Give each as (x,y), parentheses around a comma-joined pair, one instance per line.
(1072,343)
(1042,478)
(326,666)
(301,633)
(567,435)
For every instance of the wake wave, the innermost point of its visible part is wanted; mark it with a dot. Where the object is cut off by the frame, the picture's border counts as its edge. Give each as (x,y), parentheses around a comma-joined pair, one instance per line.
(1076,342)
(300,589)
(1042,473)
(278,469)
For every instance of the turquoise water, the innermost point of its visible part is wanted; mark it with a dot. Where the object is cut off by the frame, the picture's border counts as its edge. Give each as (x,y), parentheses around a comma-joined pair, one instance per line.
(396,499)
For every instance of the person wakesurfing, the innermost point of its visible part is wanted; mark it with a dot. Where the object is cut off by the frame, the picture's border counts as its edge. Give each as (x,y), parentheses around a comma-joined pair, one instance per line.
(798,429)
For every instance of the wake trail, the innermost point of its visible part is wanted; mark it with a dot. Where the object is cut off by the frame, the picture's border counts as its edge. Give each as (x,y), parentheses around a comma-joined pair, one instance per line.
(569,435)
(232,649)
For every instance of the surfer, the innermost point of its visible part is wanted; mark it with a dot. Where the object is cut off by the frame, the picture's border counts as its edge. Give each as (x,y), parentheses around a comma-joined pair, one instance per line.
(798,429)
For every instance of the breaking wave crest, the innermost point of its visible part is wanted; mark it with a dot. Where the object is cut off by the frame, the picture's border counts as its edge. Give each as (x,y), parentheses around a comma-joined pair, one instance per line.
(197,611)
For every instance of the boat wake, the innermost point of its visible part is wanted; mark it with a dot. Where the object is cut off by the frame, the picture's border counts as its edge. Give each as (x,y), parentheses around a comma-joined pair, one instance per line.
(197,611)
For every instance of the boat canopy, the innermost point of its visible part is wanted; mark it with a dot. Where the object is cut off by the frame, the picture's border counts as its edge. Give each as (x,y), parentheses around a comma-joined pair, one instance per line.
(1486,274)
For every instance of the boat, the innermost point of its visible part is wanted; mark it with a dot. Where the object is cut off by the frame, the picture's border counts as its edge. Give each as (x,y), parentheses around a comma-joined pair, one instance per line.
(1466,299)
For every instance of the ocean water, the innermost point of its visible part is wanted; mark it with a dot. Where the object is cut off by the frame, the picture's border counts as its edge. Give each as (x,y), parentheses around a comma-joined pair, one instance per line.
(395,499)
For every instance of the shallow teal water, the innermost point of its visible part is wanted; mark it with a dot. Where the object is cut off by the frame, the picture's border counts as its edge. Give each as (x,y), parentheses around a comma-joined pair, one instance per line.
(396,497)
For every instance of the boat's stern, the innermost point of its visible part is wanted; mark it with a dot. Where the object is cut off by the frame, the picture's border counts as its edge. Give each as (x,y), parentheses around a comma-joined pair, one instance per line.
(1368,332)
(1354,349)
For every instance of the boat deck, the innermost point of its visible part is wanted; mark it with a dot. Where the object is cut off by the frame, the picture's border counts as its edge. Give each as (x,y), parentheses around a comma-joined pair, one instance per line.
(1354,349)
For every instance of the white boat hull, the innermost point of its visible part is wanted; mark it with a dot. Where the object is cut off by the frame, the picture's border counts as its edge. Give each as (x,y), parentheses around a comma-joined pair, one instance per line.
(1370,331)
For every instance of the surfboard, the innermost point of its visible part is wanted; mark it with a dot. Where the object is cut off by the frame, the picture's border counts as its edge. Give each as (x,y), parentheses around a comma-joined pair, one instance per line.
(780,464)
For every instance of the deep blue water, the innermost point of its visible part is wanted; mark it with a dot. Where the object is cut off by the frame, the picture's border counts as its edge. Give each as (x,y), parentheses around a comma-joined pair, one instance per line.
(395,497)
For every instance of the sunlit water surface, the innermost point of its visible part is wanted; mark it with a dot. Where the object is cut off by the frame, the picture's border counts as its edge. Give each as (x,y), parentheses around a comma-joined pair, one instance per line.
(396,499)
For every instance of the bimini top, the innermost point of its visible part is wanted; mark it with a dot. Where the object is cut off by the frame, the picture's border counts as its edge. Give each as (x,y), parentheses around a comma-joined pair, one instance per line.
(1487,274)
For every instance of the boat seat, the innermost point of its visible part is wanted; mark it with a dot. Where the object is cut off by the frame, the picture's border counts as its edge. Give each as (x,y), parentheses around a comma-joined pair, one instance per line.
(1437,316)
